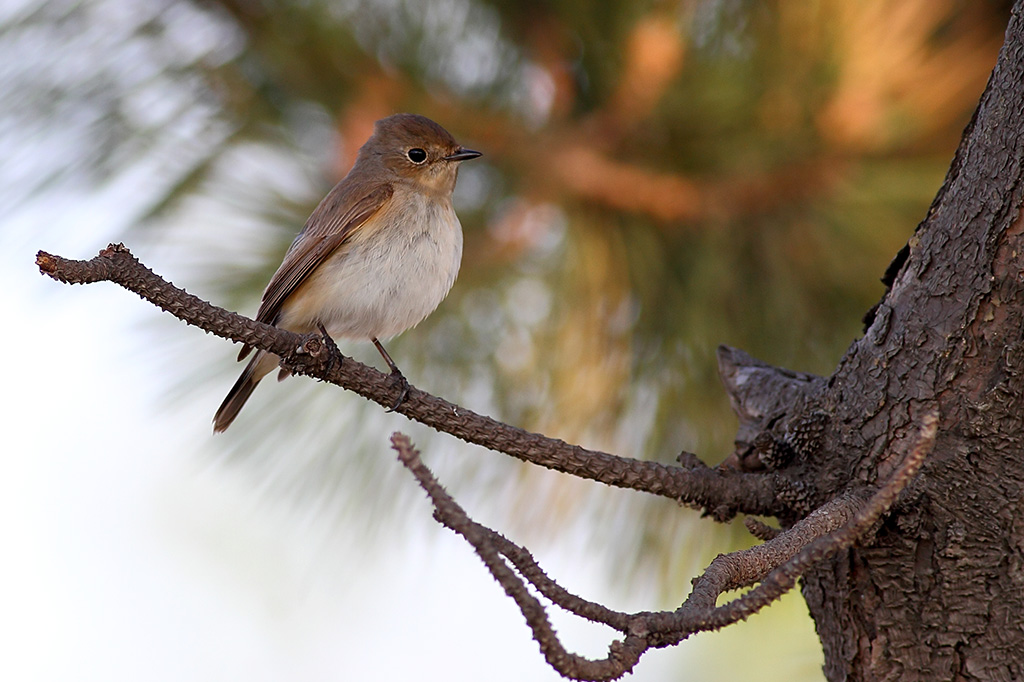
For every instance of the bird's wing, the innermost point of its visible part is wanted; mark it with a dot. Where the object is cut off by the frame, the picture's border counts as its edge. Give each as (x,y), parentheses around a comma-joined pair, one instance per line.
(327,229)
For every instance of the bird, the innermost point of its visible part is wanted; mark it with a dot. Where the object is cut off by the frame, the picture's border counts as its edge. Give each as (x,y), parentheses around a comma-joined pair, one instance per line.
(377,255)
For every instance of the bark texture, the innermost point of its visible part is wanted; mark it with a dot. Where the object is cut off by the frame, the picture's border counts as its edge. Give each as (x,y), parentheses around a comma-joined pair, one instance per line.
(939,594)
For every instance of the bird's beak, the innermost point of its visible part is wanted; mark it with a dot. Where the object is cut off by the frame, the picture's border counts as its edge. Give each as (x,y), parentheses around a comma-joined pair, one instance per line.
(463,155)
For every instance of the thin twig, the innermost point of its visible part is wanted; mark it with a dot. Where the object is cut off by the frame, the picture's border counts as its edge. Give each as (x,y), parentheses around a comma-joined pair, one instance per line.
(491,547)
(759,529)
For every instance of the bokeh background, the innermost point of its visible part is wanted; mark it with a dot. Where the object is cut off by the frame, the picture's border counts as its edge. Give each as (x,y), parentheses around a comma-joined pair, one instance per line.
(658,178)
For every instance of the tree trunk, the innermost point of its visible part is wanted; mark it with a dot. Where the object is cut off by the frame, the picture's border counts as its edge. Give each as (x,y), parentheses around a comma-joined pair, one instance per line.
(940,594)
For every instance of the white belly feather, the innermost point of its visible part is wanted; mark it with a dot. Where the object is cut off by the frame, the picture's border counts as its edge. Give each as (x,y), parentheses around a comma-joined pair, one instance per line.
(387,278)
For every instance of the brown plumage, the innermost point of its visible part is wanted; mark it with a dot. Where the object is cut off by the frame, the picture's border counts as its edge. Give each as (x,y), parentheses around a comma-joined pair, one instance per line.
(377,255)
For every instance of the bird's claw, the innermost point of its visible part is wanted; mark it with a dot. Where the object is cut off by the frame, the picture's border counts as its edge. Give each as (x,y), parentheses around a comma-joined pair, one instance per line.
(333,352)
(398,378)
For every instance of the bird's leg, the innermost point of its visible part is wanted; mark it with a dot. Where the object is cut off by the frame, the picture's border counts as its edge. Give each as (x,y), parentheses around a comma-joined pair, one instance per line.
(333,352)
(396,376)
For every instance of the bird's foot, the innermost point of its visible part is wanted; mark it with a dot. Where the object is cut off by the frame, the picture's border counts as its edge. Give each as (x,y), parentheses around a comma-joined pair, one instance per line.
(396,375)
(397,378)
(334,355)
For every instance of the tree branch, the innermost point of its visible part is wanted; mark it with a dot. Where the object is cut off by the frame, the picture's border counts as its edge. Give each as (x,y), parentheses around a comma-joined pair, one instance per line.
(493,549)
(776,565)
(835,526)
(722,494)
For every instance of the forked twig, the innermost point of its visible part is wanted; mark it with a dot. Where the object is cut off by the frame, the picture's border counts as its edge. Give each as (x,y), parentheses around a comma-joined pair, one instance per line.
(774,565)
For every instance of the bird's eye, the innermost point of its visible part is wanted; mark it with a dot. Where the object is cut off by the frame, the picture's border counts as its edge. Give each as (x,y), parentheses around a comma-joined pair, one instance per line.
(417,155)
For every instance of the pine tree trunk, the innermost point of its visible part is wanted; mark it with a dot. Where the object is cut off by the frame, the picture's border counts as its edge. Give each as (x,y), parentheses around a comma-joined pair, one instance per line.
(940,594)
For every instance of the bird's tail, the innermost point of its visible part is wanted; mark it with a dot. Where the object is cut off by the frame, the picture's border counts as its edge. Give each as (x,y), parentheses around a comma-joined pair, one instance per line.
(261,364)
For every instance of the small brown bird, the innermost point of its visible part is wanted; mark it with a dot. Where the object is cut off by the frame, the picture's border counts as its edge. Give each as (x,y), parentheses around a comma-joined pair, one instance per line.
(378,254)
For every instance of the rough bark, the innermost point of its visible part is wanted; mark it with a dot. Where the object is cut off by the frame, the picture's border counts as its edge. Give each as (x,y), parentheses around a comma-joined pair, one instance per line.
(939,594)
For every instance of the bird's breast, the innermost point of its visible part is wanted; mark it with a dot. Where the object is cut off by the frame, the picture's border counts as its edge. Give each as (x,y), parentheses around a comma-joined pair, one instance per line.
(391,274)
